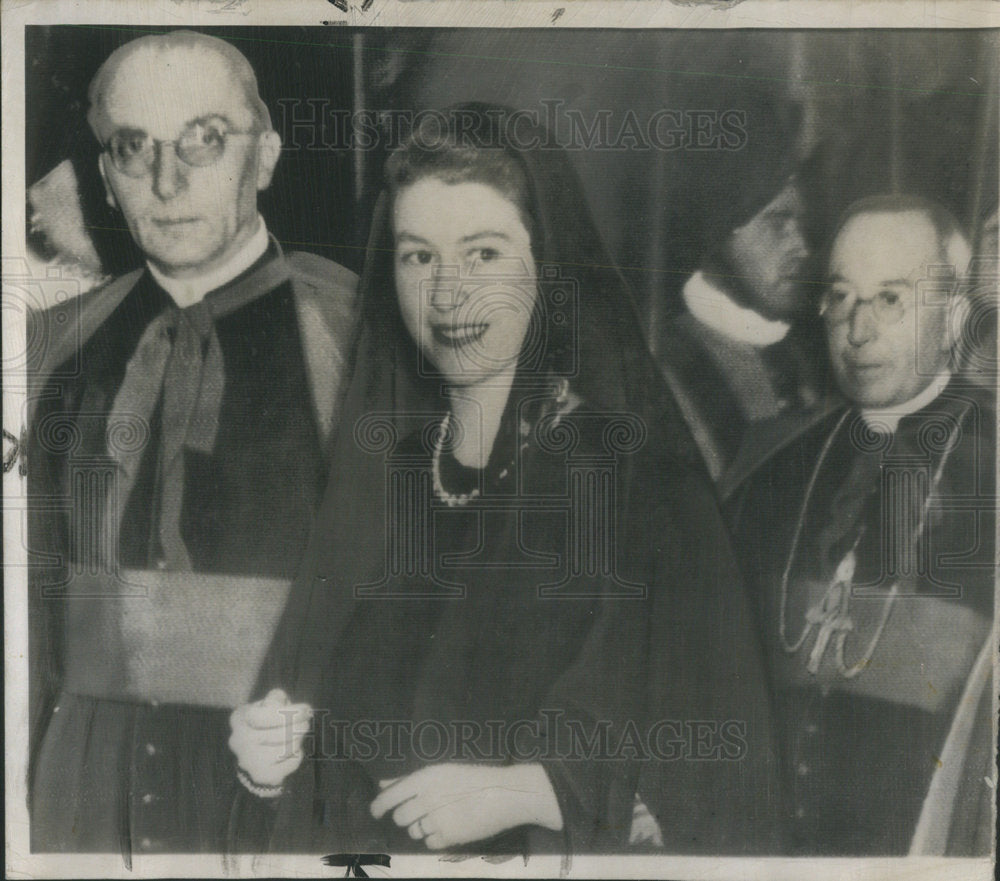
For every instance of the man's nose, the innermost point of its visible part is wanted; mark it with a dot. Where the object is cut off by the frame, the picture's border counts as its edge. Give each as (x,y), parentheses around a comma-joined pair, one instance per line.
(169,177)
(863,326)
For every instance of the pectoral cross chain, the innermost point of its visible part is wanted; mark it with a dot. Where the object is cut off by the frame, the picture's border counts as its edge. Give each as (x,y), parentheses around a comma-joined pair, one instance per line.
(830,614)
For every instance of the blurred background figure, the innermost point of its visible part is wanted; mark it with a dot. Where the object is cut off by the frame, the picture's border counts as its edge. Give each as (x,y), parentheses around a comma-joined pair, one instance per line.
(744,348)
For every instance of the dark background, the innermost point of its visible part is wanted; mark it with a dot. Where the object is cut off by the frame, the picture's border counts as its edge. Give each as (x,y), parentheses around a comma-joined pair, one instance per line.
(876,111)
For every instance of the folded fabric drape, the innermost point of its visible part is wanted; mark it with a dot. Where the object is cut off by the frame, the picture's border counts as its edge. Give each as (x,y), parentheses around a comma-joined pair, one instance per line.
(178,361)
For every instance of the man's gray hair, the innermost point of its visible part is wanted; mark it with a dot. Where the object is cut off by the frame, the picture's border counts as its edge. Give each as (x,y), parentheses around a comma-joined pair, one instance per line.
(240,68)
(955,247)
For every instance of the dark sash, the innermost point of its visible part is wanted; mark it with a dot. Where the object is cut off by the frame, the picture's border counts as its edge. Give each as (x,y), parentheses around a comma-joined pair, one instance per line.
(169,637)
(922,659)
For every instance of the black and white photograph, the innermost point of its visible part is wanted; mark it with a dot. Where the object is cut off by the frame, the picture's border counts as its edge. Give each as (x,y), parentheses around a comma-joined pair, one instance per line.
(494,439)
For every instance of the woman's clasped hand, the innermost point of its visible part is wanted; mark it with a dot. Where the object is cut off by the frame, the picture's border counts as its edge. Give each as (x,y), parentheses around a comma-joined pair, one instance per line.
(452,804)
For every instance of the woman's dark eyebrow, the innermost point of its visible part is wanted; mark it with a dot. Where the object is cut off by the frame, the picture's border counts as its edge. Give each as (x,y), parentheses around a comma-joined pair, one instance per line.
(485,234)
(411,237)
(886,283)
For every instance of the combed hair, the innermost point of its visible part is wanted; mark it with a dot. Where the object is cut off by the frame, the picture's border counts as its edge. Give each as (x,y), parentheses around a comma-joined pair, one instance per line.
(236,62)
(956,250)
(449,155)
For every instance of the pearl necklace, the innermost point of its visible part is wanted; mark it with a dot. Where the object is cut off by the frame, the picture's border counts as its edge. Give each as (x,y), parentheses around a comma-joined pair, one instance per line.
(831,614)
(450,499)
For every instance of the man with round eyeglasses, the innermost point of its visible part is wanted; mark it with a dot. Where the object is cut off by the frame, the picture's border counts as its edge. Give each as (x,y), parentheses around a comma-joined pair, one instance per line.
(188,144)
(867,536)
(890,330)
(198,393)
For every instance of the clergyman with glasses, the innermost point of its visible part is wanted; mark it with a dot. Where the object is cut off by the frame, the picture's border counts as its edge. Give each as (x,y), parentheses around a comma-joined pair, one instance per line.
(867,535)
(177,454)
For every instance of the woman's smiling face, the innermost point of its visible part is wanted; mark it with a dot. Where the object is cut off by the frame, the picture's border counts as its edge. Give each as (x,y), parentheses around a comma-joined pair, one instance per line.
(465,277)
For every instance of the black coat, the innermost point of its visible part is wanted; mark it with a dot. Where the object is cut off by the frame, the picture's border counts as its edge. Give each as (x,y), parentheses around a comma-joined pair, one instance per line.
(648,657)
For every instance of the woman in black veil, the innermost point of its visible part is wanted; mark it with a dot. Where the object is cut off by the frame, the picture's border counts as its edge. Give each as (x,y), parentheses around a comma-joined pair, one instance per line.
(518,604)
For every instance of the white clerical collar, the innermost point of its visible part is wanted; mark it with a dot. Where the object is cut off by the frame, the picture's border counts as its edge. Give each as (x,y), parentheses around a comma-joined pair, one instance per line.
(886,420)
(188,291)
(714,308)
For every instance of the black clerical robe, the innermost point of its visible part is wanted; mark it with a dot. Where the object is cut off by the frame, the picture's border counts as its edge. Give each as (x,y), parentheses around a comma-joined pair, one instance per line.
(134,655)
(871,557)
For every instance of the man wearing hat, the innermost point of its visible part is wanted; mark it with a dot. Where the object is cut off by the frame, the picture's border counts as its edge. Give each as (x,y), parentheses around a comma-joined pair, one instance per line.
(739,351)
(177,452)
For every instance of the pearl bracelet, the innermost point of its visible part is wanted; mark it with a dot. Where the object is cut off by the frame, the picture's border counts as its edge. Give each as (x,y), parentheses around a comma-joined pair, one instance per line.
(261,790)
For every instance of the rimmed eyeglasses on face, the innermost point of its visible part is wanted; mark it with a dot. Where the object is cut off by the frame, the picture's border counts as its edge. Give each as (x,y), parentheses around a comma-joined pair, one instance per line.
(202,143)
(839,304)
